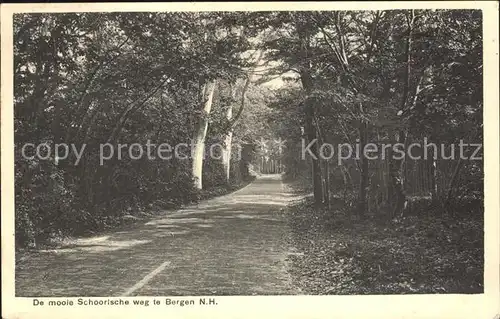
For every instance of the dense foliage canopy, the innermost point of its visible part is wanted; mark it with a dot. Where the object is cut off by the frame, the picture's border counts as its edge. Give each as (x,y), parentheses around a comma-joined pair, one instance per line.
(85,79)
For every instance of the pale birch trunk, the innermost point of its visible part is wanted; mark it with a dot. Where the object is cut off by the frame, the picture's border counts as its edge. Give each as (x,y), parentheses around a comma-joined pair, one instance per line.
(433,179)
(226,152)
(198,148)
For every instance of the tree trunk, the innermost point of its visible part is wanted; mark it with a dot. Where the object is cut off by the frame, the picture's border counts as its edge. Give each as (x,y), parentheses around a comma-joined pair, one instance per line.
(226,155)
(344,178)
(397,173)
(312,136)
(316,168)
(397,178)
(433,179)
(226,151)
(453,181)
(433,173)
(388,169)
(364,178)
(327,185)
(200,134)
(307,84)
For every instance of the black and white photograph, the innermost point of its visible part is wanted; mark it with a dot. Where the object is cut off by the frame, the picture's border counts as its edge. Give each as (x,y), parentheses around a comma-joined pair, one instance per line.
(180,154)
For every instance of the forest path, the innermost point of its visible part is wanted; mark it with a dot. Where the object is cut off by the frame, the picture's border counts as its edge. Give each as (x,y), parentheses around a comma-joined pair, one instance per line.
(231,245)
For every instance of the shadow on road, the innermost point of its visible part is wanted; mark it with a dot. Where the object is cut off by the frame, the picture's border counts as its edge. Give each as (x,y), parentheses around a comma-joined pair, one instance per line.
(232,245)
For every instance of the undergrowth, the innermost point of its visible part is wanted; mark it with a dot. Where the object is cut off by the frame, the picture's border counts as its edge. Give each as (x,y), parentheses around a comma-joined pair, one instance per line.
(427,252)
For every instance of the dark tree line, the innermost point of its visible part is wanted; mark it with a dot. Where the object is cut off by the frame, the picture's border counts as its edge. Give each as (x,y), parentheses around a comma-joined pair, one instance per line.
(122,78)
(384,77)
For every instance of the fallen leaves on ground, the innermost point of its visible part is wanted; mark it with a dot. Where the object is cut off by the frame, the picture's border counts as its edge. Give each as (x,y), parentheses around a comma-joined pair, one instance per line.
(432,253)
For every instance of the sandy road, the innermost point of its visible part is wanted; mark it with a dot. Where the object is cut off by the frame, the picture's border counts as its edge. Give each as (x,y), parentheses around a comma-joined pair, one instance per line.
(231,245)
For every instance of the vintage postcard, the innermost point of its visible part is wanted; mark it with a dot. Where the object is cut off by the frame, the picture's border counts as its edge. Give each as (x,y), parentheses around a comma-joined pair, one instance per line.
(250,159)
